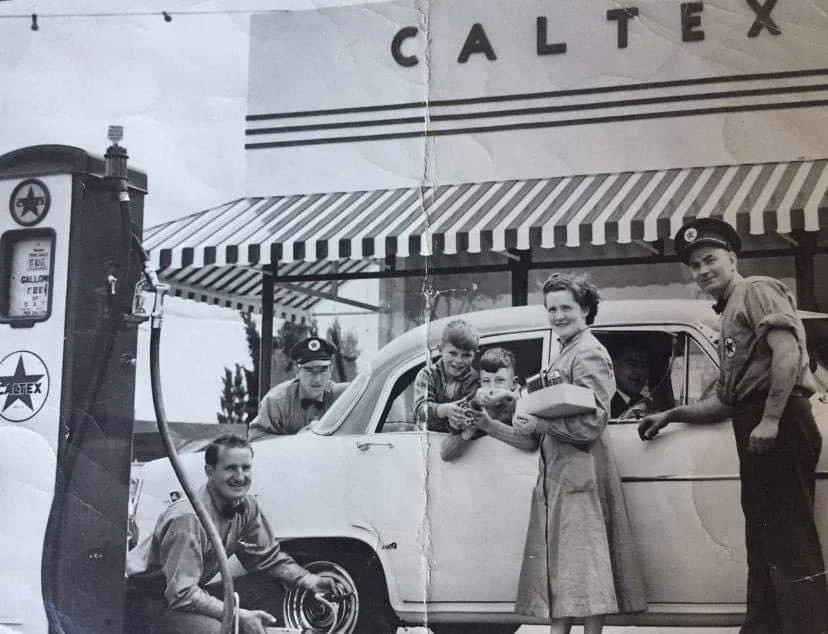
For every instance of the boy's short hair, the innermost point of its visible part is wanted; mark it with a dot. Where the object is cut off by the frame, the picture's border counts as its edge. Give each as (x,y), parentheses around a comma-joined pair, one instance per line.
(461,334)
(496,358)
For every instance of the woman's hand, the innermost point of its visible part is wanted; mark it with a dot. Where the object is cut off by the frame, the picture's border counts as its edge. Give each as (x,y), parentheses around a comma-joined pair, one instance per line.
(525,423)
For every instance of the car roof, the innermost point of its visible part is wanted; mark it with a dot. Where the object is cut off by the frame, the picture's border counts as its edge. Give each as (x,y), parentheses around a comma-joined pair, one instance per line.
(521,318)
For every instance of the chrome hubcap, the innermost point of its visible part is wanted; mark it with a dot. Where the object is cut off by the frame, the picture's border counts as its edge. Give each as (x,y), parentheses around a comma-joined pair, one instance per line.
(303,610)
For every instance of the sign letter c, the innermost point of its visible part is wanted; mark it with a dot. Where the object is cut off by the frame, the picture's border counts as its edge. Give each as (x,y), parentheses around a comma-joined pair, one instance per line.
(396,47)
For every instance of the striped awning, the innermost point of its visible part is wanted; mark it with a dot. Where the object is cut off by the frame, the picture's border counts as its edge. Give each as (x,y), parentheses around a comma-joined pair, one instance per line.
(570,211)
(240,286)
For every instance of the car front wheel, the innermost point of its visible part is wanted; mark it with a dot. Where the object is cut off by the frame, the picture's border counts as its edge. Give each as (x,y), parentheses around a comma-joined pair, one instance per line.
(365,610)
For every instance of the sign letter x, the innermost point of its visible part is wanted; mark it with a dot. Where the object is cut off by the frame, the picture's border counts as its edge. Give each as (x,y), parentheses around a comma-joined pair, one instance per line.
(763,18)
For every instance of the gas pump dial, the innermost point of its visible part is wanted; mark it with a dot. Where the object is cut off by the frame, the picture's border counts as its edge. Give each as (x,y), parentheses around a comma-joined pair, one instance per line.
(27,270)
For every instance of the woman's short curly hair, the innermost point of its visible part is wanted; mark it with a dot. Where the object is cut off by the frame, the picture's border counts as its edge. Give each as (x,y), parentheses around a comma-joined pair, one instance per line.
(585,294)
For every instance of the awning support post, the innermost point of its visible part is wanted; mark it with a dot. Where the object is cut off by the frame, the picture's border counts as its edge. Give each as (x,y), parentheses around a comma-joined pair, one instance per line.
(266,347)
(519,269)
(805,272)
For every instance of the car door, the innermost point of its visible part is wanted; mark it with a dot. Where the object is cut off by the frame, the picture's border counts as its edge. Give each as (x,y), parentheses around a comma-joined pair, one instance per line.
(450,532)
(478,505)
(682,489)
(387,485)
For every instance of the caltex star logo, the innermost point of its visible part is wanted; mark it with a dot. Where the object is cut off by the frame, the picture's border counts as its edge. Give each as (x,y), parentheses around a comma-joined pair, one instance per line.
(29,202)
(23,391)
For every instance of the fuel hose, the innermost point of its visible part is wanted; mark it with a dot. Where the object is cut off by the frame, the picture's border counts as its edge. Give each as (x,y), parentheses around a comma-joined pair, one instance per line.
(227,624)
(102,347)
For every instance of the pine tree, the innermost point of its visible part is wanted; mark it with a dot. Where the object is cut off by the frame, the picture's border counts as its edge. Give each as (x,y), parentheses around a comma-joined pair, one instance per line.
(348,351)
(240,389)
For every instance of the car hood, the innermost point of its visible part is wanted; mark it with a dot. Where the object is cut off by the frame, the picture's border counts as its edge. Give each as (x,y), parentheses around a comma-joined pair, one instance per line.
(299,481)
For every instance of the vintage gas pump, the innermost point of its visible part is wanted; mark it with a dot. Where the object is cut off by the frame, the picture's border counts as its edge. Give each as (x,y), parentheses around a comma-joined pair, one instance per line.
(67,382)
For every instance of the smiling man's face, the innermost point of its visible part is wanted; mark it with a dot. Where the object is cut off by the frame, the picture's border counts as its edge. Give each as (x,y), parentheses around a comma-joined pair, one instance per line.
(712,268)
(232,475)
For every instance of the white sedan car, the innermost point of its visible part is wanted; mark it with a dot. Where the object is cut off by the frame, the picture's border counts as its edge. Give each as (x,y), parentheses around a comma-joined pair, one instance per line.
(364,495)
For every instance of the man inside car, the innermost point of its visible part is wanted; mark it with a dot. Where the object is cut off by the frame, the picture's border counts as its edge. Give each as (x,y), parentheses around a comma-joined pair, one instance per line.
(631,363)
(764,385)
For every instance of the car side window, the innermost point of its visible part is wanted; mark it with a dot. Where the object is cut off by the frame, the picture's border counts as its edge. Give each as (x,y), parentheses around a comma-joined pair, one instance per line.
(398,413)
(703,373)
(644,362)
(528,355)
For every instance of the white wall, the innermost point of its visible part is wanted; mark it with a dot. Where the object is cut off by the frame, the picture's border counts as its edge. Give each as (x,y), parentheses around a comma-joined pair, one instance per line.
(340,58)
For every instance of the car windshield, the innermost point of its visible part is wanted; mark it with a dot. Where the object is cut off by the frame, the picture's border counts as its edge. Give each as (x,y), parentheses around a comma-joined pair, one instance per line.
(332,420)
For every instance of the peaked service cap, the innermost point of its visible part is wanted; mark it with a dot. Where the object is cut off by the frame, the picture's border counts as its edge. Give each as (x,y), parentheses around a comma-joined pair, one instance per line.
(312,349)
(706,231)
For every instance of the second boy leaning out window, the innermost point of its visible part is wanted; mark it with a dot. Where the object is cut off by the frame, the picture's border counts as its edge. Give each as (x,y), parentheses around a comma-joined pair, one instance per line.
(496,399)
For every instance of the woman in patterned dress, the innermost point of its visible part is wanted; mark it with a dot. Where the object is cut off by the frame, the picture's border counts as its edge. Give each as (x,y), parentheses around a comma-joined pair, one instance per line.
(580,560)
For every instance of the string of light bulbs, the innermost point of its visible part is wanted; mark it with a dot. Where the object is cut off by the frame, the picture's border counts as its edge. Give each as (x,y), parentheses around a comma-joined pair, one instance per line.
(167,16)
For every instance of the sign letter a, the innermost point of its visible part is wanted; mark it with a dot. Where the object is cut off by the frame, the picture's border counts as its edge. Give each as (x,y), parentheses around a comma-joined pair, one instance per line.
(476,42)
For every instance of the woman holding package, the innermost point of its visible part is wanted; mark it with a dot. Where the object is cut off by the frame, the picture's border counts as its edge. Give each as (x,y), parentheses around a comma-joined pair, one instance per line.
(579,560)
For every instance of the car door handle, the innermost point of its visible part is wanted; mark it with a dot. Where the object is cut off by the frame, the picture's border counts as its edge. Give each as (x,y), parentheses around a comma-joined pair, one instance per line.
(365,445)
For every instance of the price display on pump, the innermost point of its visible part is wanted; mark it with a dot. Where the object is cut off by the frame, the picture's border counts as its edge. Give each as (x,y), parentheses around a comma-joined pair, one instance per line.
(30,272)
(27,270)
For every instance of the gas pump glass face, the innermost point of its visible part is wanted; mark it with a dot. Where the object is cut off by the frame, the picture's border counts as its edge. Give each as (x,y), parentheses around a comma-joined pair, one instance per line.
(30,277)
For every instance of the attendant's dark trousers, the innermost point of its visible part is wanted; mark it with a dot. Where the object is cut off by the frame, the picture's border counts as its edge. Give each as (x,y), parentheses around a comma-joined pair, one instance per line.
(147,611)
(786,585)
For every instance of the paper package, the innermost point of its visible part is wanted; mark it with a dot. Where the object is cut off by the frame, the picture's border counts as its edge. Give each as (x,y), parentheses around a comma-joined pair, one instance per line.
(557,400)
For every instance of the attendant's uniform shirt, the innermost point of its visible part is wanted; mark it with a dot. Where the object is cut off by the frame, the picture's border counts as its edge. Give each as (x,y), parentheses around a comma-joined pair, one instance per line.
(433,386)
(749,308)
(179,553)
(281,411)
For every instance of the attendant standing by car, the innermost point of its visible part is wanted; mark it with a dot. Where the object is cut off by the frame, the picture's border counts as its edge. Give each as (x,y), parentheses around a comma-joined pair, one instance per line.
(579,560)
(290,406)
(764,384)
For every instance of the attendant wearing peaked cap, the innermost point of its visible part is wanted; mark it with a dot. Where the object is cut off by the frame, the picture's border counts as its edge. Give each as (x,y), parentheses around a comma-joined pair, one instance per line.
(290,406)
(706,231)
(764,385)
